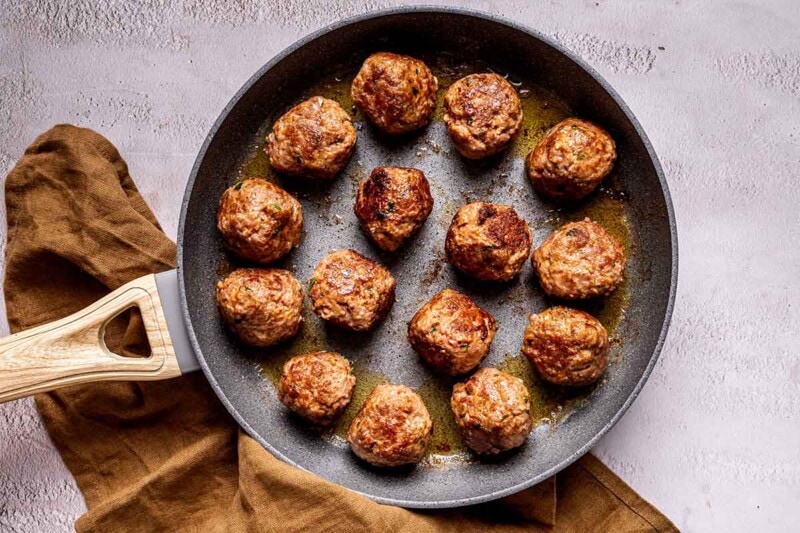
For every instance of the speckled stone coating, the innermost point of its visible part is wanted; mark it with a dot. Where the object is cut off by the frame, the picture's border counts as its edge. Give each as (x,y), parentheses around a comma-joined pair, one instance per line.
(451,333)
(259,221)
(317,386)
(580,260)
(567,346)
(571,160)
(392,204)
(314,139)
(482,113)
(396,92)
(261,306)
(492,410)
(489,242)
(393,428)
(351,291)
(419,271)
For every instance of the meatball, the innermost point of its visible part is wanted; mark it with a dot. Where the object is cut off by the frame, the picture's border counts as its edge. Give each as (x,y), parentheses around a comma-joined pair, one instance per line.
(397,93)
(351,291)
(259,221)
(392,205)
(571,160)
(492,410)
(314,139)
(392,428)
(317,386)
(579,260)
(489,242)
(451,333)
(261,306)
(483,114)
(567,346)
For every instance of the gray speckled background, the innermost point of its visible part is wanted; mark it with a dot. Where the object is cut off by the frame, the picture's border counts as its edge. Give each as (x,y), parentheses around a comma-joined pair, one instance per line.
(713,439)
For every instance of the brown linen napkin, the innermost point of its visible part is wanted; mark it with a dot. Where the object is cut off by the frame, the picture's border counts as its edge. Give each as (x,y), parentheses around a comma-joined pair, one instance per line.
(166,455)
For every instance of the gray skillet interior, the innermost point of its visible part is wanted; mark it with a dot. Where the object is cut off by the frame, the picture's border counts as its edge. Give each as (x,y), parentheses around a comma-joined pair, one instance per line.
(330,224)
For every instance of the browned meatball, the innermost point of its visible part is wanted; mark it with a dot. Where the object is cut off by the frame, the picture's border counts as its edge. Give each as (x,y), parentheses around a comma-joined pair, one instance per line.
(483,114)
(492,410)
(567,346)
(580,260)
(571,160)
(490,242)
(392,428)
(317,386)
(259,221)
(351,291)
(397,93)
(392,204)
(261,306)
(314,139)
(451,333)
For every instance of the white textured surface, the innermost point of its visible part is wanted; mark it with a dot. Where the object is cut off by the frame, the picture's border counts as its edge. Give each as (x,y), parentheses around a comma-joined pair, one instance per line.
(714,438)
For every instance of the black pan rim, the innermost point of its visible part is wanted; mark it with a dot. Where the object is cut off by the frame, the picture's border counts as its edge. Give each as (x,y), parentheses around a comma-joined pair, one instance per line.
(561,49)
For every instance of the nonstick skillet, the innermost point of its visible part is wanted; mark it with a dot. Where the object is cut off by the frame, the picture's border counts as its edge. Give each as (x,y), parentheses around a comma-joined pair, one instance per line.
(180,315)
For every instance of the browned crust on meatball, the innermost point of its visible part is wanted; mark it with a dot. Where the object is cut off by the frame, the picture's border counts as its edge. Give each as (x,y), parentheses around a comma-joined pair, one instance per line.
(483,114)
(317,386)
(397,93)
(259,221)
(351,291)
(392,204)
(451,333)
(314,139)
(567,346)
(261,306)
(489,242)
(571,160)
(580,260)
(392,428)
(492,410)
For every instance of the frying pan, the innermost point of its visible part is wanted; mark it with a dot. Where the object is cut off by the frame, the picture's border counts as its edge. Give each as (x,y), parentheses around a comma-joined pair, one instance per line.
(178,307)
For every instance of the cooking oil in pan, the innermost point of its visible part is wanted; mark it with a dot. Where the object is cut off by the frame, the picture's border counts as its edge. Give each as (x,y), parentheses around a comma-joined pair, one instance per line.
(551,405)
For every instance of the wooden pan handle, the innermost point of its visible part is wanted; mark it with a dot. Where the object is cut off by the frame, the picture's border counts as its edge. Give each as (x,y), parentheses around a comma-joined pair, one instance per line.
(72,350)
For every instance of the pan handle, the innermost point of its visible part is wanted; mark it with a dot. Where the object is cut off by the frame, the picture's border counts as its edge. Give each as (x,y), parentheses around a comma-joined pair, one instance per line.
(72,350)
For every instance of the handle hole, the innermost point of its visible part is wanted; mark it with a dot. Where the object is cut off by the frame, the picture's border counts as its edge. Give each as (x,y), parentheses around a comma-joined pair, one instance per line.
(124,334)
